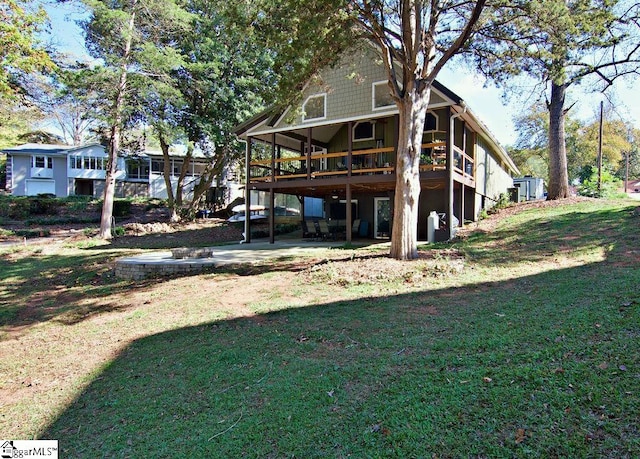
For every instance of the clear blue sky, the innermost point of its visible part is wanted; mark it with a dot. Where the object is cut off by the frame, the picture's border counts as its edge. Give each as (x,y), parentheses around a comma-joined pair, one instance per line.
(486,102)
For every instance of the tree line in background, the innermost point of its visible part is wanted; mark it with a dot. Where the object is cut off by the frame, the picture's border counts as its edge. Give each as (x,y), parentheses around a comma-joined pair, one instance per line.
(620,153)
(189,70)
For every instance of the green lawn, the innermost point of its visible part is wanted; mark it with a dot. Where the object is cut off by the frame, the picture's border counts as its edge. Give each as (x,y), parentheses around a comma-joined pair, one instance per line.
(532,350)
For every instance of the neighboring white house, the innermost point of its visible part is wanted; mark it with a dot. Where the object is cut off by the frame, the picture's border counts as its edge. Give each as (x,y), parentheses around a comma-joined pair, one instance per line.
(62,170)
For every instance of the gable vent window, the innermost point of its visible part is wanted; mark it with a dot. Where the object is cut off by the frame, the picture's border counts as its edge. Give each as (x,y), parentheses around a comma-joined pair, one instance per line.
(364,130)
(431,122)
(315,108)
(381,96)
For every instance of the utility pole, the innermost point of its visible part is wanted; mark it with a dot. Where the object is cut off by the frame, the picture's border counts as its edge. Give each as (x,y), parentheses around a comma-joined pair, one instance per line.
(626,172)
(600,150)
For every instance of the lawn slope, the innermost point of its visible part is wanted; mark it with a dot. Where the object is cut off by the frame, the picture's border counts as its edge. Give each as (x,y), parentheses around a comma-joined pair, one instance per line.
(520,340)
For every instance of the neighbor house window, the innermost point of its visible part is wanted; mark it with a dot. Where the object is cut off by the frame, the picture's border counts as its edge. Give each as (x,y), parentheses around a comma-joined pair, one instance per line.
(43,162)
(157,165)
(315,108)
(364,130)
(382,96)
(137,169)
(87,163)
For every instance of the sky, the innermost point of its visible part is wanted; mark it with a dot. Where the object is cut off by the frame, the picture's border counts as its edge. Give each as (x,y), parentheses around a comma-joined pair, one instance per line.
(485,100)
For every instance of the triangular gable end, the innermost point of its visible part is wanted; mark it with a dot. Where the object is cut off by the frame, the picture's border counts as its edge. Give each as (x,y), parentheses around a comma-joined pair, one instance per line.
(345,93)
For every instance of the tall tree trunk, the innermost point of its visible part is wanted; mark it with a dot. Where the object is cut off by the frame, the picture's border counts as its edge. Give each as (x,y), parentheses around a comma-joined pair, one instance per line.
(114,141)
(558,175)
(166,172)
(404,235)
(186,163)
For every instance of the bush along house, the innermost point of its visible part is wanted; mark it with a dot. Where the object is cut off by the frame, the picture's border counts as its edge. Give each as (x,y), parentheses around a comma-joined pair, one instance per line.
(339,142)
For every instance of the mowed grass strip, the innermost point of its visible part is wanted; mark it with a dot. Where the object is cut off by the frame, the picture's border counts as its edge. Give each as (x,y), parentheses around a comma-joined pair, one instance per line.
(532,350)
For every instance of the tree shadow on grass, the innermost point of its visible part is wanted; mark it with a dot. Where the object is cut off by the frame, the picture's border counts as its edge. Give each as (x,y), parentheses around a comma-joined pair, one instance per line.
(40,287)
(73,288)
(544,365)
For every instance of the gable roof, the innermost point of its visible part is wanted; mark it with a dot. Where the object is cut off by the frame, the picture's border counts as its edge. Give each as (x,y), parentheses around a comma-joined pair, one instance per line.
(349,84)
(38,148)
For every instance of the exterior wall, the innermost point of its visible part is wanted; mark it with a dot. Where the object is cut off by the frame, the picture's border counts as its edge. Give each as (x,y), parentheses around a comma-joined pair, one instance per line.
(123,189)
(430,200)
(92,151)
(20,172)
(491,178)
(60,176)
(21,175)
(158,188)
(349,93)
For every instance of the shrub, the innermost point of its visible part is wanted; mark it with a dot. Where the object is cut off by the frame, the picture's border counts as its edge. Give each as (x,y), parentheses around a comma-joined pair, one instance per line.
(18,208)
(609,186)
(121,207)
(44,204)
(32,232)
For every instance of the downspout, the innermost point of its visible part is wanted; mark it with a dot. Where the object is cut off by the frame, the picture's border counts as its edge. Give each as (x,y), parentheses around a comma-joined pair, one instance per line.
(452,119)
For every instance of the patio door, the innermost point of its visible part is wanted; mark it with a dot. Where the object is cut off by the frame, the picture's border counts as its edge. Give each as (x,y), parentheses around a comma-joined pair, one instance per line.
(382,218)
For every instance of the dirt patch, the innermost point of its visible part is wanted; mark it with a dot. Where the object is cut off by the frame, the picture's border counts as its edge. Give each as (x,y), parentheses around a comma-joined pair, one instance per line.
(372,269)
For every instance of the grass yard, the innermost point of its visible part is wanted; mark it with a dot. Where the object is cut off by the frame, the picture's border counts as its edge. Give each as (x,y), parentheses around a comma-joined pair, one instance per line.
(520,340)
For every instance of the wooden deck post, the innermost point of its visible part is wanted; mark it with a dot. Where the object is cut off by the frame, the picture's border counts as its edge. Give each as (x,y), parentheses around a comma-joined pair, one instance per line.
(309,147)
(462,193)
(349,221)
(349,148)
(272,216)
(247,193)
(272,213)
(450,141)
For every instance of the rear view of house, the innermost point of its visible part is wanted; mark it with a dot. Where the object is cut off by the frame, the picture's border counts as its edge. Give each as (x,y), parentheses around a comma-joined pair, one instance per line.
(339,144)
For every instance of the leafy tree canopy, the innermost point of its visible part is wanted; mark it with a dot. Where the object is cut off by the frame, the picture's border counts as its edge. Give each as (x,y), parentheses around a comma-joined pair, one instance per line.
(20,51)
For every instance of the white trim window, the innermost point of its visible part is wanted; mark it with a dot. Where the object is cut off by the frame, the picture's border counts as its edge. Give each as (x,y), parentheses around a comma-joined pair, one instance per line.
(381,96)
(88,163)
(364,130)
(315,107)
(41,162)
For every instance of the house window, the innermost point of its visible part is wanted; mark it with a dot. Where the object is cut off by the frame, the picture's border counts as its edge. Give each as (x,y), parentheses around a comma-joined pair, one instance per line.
(315,108)
(157,166)
(87,163)
(42,162)
(137,169)
(177,167)
(431,122)
(382,96)
(364,130)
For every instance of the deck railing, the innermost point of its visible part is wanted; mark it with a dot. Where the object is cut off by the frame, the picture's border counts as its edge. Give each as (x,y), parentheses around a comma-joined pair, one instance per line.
(368,161)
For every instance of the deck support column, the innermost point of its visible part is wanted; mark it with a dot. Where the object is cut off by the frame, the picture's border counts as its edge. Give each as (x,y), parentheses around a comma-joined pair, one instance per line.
(349,148)
(309,147)
(272,216)
(462,193)
(272,213)
(349,222)
(450,142)
(247,193)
